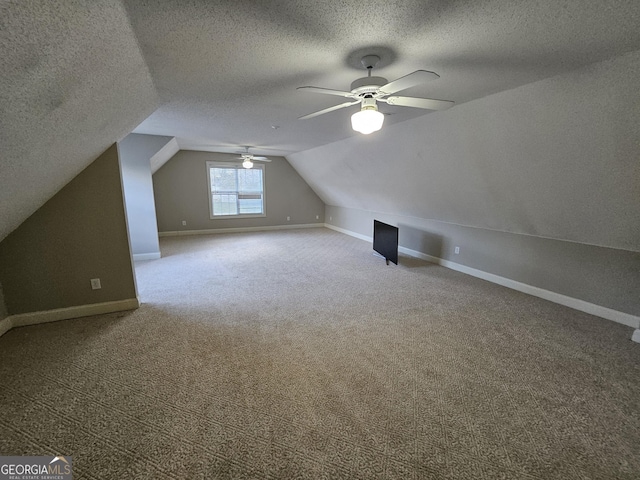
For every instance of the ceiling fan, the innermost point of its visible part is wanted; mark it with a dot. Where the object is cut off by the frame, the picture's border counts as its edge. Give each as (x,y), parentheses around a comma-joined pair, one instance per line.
(369,90)
(248,158)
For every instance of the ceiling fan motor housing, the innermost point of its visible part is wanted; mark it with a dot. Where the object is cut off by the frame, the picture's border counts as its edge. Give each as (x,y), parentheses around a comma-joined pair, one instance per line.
(368,84)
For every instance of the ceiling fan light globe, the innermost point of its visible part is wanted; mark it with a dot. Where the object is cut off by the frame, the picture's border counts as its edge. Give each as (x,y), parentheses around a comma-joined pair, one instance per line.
(367,121)
(247,163)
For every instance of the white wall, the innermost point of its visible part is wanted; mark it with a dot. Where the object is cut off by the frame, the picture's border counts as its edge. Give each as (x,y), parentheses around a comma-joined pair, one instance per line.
(135,156)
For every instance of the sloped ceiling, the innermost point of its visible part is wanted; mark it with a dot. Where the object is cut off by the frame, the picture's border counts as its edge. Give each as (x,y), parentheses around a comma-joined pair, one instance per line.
(227,71)
(77,76)
(558,158)
(72,82)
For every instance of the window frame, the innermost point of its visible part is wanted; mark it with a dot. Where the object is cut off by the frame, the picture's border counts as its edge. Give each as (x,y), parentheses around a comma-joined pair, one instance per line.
(237,166)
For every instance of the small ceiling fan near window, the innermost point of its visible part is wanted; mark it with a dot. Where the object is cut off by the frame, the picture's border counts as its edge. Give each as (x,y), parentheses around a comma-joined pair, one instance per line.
(367,91)
(248,159)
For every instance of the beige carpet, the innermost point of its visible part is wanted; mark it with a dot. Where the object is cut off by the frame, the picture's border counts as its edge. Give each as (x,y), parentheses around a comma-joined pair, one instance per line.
(299,354)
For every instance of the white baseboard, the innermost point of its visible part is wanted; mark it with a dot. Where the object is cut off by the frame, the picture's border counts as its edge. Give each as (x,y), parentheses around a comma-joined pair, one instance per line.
(34,318)
(146,256)
(349,232)
(239,229)
(576,304)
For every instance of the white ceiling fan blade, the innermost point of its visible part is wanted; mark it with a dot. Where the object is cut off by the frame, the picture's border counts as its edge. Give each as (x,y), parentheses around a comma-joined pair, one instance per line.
(411,80)
(428,103)
(330,109)
(327,91)
(252,158)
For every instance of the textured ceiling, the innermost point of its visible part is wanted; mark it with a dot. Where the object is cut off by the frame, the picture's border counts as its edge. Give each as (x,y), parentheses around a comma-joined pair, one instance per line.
(78,75)
(72,82)
(226,71)
(558,158)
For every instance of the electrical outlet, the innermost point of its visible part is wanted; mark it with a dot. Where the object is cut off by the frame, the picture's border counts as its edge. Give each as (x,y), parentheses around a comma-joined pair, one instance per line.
(184,223)
(288,219)
(456,250)
(95,284)
(330,218)
(317,217)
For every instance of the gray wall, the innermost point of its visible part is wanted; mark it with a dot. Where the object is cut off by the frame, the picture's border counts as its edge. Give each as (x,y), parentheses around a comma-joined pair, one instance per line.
(181,193)
(540,184)
(3,308)
(603,276)
(79,234)
(135,155)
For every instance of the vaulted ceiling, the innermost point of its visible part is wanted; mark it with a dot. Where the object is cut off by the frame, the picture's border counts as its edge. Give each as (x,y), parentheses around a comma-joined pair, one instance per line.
(77,76)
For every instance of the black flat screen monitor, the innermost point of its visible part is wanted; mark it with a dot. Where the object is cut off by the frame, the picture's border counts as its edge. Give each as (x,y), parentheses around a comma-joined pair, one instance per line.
(385,241)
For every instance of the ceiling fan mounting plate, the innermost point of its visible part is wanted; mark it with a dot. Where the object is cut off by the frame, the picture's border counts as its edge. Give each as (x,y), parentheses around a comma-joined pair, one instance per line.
(386,56)
(370,61)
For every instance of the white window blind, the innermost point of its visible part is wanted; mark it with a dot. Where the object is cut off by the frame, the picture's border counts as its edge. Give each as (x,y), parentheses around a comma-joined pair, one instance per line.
(235,190)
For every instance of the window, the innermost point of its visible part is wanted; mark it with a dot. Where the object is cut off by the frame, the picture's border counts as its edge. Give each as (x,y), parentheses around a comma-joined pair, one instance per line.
(236,191)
